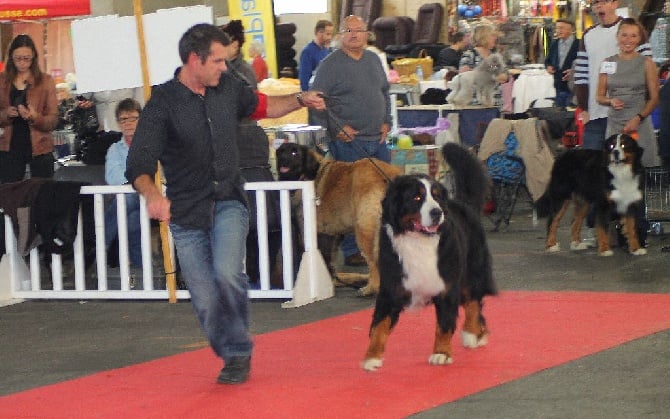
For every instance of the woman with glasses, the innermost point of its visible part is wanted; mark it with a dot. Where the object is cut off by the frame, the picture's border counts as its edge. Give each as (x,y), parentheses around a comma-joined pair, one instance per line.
(28,114)
(127,115)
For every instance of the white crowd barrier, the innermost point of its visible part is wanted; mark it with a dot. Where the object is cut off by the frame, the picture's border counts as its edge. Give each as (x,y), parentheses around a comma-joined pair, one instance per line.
(21,281)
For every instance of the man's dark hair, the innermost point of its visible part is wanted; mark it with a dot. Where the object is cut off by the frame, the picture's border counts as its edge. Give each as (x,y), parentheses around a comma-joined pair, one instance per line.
(128,105)
(199,39)
(568,21)
(457,37)
(321,25)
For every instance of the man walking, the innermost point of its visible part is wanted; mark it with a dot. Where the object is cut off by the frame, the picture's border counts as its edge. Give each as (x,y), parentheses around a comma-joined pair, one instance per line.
(190,125)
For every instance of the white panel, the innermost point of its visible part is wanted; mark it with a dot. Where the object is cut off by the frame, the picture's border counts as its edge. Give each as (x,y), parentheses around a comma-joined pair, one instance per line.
(162,31)
(106,53)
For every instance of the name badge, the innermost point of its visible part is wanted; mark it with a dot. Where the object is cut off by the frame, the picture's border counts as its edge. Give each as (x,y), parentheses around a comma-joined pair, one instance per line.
(608,67)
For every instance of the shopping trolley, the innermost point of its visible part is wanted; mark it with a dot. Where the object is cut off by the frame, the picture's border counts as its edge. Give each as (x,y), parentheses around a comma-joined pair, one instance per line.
(657,197)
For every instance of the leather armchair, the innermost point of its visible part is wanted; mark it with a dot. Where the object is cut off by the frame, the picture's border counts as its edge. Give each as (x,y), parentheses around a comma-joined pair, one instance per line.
(368,10)
(425,33)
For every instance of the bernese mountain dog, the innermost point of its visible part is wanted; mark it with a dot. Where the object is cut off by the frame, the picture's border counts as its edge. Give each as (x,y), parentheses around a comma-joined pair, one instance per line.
(611,181)
(433,249)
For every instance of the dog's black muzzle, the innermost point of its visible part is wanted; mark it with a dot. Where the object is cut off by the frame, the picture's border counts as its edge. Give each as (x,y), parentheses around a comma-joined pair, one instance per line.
(435,216)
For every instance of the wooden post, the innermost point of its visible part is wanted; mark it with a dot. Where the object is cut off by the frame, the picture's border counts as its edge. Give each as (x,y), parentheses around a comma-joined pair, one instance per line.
(170,276)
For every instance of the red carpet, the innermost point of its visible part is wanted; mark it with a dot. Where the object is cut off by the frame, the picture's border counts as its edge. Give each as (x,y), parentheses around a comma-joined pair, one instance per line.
(313,370)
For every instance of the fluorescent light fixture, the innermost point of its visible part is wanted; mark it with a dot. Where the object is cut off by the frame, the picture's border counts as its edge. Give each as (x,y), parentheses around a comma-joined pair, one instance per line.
(282,7)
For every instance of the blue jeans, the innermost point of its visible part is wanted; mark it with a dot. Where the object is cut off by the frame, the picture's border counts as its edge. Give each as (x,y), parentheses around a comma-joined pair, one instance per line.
(563,98)
(359,149)
(350,152)
(212,262)
(594,134)
(134,231)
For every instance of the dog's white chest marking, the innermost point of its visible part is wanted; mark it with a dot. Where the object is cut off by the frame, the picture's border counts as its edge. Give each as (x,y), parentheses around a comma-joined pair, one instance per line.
(625,187)
(418,256)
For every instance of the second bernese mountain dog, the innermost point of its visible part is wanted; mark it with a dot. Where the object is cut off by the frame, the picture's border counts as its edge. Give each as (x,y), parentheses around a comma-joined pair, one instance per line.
(611,181)
(433,250)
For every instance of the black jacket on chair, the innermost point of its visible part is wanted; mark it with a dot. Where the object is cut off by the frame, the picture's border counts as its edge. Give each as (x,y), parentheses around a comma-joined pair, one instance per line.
(42,212)
(553,60)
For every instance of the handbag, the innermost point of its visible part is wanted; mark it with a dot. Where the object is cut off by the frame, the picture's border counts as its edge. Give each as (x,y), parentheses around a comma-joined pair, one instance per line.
(85,120)
(94,147)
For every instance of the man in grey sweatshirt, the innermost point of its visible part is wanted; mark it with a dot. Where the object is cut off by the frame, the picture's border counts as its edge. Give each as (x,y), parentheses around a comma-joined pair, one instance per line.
(359,107)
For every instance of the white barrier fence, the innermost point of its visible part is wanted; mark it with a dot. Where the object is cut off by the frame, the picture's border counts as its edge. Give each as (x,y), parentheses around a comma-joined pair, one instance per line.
(18,281)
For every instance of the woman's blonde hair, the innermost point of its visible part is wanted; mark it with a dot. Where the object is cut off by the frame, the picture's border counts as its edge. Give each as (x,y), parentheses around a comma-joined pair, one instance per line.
(481,33)
(256,48)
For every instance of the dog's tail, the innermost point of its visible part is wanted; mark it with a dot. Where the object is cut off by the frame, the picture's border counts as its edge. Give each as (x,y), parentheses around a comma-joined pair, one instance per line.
(469,180)
(543,205)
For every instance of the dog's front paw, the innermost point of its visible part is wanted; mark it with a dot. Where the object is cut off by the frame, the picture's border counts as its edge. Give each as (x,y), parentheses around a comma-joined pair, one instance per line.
(440,359)
(639,252)
(470,340)
(606,253)
(372,364)
(553,249)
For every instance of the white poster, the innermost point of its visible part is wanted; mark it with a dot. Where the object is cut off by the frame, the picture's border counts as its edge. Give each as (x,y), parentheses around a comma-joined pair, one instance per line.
(162,31)
(107,54)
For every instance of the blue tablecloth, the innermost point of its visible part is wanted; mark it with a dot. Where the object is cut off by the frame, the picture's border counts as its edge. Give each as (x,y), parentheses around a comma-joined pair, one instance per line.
(472,122)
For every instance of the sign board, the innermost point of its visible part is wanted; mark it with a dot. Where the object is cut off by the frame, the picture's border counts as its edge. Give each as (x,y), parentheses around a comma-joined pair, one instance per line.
(107,54)
(259,25)
(42,9)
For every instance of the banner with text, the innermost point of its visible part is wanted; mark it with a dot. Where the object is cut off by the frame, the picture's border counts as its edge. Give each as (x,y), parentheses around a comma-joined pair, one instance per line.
(42,9)
(258,19)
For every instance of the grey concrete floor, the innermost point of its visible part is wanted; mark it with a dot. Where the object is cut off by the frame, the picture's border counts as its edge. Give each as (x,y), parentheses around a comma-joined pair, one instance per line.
(45,342)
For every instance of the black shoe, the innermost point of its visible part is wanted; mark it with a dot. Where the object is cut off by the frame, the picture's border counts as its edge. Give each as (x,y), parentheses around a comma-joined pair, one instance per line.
(355,260)
(236,370)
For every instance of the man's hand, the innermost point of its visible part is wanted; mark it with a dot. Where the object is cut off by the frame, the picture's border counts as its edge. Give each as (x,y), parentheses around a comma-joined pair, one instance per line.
(566,74)
(158,206)
(384,133)
(347,134)
(313,99)
(550,69)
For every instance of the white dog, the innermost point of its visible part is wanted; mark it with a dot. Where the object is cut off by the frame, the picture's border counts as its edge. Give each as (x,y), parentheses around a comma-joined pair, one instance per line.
(479,83)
